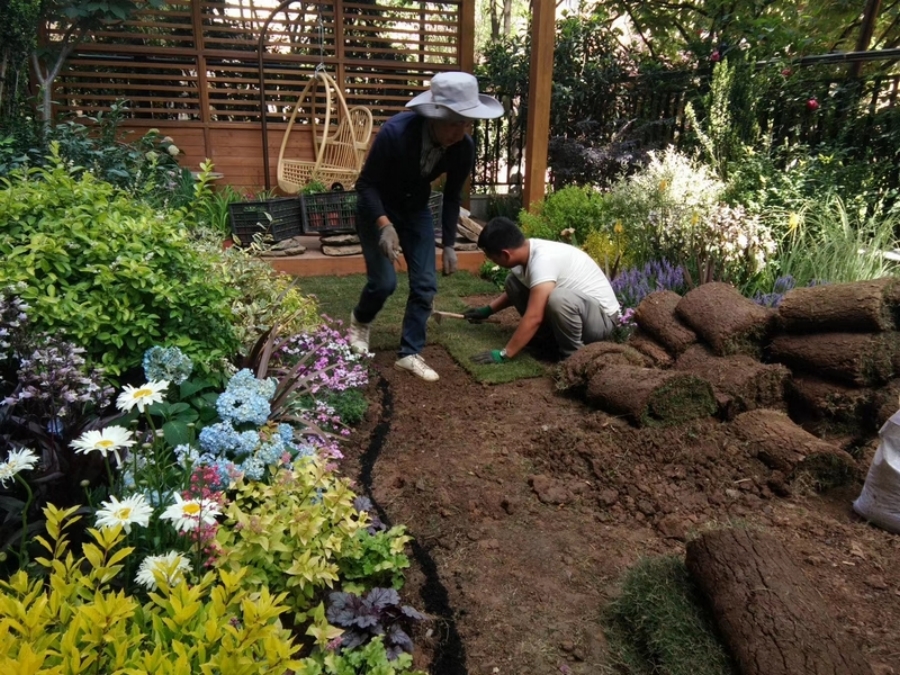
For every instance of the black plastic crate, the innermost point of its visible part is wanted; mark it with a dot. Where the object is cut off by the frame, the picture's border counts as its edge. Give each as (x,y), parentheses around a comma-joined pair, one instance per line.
(279,217)
(335,212)
(329,212)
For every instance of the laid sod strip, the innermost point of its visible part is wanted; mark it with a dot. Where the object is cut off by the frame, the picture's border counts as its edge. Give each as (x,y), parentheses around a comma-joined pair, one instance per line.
(658,624)
(338,295)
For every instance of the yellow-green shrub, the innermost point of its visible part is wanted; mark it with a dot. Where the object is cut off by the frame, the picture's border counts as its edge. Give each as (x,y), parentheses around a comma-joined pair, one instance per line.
(76,621)
(289,533)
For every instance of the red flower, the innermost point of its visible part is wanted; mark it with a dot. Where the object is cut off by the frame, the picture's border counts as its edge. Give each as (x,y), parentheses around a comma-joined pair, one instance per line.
(812,104)
(787,72)
(715,56)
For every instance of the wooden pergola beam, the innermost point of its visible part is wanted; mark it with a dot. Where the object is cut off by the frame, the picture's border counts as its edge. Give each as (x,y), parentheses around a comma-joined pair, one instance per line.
(537,133)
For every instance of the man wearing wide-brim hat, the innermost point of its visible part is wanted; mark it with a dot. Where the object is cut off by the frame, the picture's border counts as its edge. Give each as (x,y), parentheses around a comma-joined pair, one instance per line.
(411,150)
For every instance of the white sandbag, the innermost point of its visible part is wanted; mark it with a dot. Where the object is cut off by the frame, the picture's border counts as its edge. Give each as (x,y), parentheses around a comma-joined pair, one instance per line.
(879,502)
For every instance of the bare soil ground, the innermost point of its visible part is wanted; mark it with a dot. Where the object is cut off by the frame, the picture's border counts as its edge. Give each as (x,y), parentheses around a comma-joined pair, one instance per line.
(527,508)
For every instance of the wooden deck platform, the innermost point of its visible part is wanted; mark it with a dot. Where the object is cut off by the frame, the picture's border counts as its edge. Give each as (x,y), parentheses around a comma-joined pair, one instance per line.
(314,263)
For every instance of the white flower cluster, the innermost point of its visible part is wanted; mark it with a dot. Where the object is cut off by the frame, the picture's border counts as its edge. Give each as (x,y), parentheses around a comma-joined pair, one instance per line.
(735,240)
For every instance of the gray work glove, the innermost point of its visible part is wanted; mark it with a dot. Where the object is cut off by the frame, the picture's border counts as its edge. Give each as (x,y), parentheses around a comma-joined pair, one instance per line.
(451,264)
(389,243)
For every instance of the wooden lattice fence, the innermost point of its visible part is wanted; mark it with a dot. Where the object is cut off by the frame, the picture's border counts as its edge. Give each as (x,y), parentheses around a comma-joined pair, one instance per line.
(191,69)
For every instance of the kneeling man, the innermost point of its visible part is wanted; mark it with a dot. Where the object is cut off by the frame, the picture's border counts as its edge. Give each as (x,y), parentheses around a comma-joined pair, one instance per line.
(550,284)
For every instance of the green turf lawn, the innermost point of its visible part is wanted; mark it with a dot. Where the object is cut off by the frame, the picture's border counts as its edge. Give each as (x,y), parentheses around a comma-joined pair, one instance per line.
(338,295)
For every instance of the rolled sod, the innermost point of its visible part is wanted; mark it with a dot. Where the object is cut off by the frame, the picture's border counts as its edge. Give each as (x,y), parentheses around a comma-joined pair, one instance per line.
(849,408)
(769,614)
(577,370)
(774,439)
(649,396)
(656,316)
(857,306)
(748,383)
(725,319)
(649,347)
(859,359)
(885,403)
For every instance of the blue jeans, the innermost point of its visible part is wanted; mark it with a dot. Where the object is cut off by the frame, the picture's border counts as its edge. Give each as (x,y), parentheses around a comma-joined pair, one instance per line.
(416,233)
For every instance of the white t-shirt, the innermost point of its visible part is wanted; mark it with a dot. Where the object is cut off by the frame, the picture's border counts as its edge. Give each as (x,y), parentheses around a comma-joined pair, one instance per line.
(569,267)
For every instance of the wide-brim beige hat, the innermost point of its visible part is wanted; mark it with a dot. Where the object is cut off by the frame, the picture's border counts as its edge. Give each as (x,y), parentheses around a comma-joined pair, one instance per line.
(455,96)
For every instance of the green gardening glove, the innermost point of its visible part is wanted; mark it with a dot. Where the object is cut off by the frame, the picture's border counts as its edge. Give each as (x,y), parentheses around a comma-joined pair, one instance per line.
(477,314)
(490,357)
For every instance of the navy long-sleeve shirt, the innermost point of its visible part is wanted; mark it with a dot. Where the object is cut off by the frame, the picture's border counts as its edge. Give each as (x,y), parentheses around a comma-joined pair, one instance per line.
(391,179)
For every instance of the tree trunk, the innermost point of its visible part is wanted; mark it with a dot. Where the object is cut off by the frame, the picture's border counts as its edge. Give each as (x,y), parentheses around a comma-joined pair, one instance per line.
(769,614)
(777,442)
(859,359)
(747,382)
(729,322)
(577,370)
(860,306)
(656,316)
(651,397)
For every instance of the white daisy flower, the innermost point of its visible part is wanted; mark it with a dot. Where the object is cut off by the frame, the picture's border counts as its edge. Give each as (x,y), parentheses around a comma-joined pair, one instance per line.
(109,440)
(16,462)
(133,510)
(187,514)
(150,393)
(170,567)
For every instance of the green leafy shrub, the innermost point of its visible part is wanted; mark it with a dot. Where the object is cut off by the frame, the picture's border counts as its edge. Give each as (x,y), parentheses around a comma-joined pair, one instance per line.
(80,620)
(112,274)
(372,659)
(349,405)
(146,166)
(569,214)
(289,534)
(263,297)
(376,558)
(493,273)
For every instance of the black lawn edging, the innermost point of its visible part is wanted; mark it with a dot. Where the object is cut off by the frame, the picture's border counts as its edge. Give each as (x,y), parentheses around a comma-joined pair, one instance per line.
(449,653)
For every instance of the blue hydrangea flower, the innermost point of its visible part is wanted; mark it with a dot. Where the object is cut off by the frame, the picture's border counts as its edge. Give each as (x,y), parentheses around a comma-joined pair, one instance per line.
(286,432)
(241,406)
(167,363)
(246,381)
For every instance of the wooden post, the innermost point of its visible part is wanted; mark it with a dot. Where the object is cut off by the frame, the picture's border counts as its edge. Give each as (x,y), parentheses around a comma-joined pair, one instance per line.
(202,82)
(537,134)
(866,31)
(466,36)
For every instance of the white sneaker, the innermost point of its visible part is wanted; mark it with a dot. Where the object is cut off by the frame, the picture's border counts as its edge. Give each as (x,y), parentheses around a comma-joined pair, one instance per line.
(358,336)
(416,365)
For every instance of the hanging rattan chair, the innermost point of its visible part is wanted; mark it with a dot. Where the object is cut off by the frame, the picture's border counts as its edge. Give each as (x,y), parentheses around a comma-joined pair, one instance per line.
(340,137)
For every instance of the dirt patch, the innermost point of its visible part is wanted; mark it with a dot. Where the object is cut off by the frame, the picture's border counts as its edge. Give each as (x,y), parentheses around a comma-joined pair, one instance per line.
(527,507)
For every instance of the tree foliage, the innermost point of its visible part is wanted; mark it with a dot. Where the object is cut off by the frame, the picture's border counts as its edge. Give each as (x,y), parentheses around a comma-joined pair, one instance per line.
(789,28)
(71,21)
